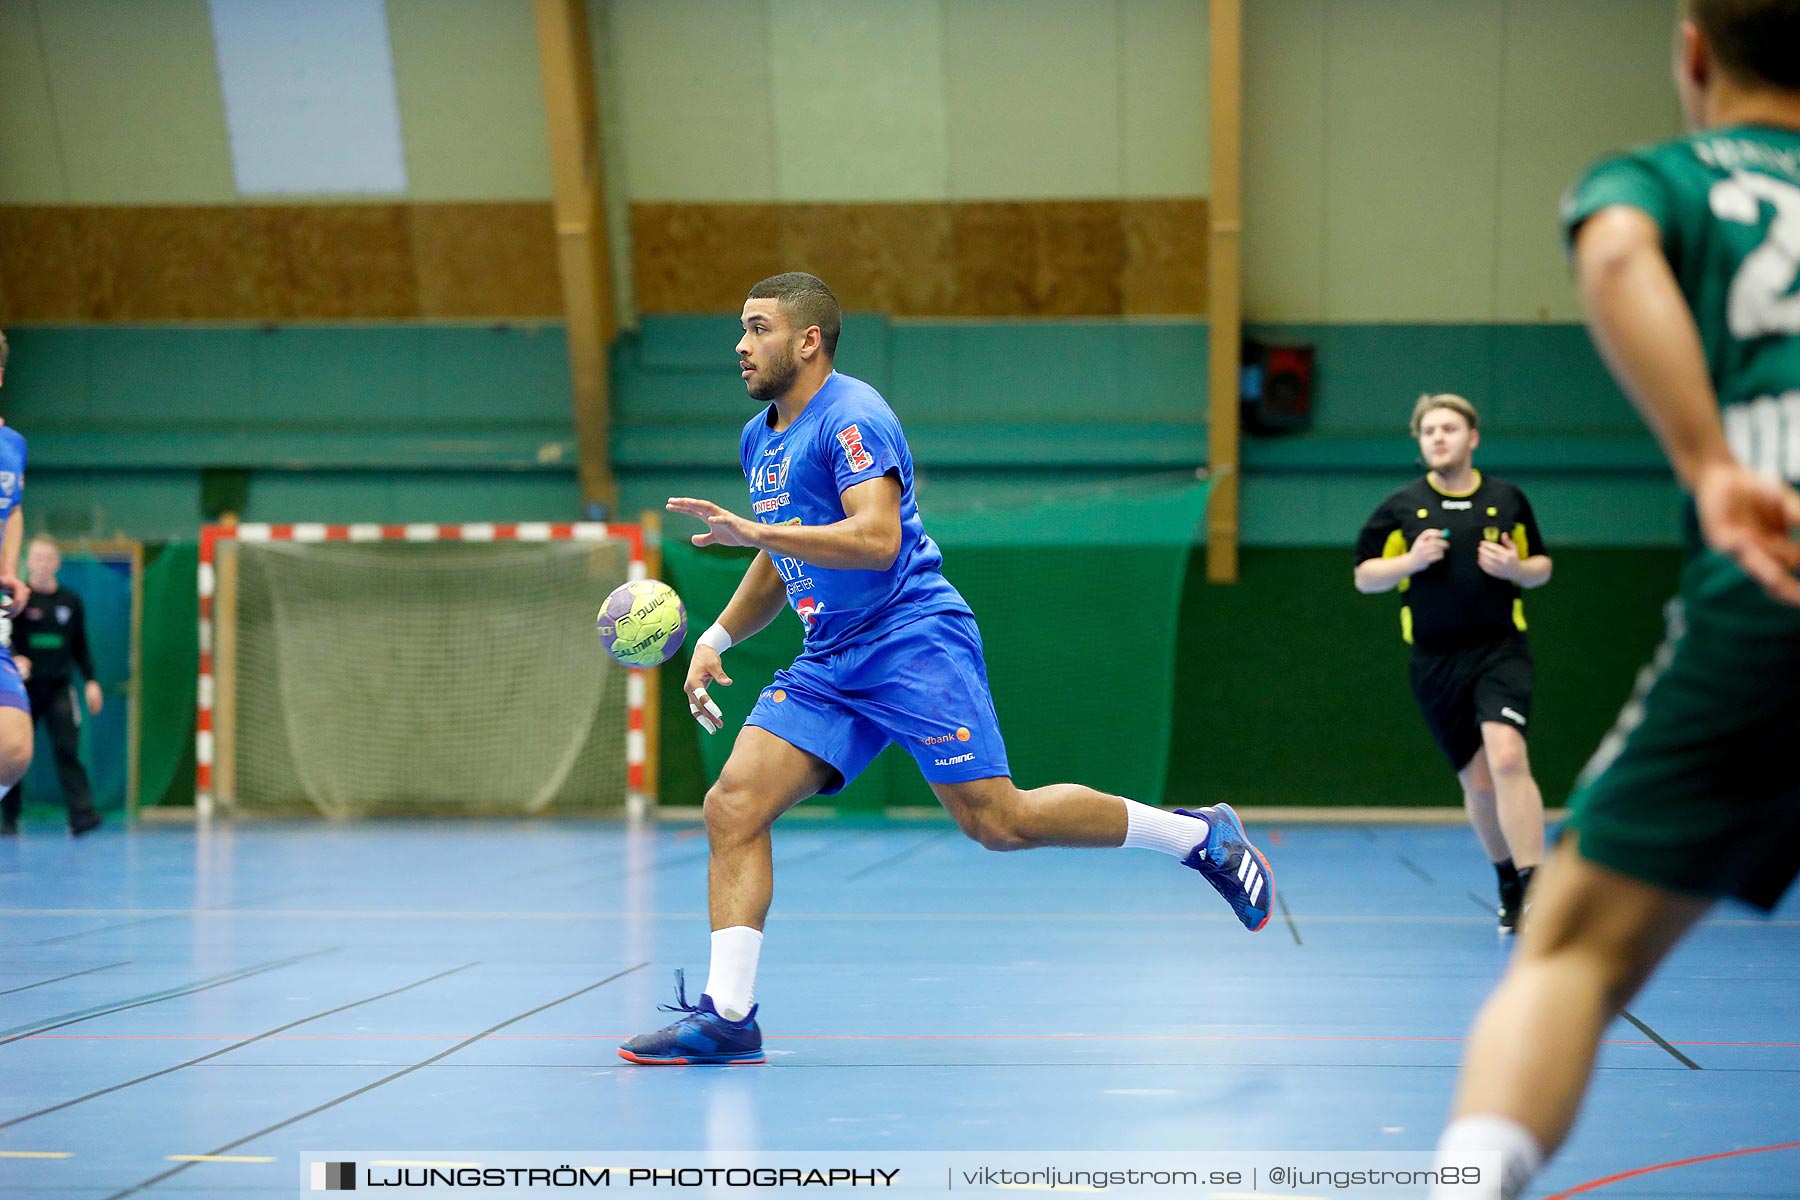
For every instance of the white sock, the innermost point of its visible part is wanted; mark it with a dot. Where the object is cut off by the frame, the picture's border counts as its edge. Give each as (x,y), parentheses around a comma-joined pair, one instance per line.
(731,981)
(1520,1154)
(1149,828)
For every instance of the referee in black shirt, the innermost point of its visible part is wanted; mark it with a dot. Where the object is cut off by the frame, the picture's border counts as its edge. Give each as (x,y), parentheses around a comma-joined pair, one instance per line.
(49,638)
(1461,548)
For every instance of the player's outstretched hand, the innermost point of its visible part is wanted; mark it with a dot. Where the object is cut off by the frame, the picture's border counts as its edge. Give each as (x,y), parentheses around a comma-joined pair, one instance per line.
(703,668)
(1499,559)
(1751,519)
(723,528)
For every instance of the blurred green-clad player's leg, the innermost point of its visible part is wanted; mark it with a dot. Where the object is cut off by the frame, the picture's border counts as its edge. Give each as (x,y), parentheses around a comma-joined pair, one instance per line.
(1685,264)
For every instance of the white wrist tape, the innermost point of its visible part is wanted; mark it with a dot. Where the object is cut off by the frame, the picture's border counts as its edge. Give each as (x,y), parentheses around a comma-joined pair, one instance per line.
(715,637)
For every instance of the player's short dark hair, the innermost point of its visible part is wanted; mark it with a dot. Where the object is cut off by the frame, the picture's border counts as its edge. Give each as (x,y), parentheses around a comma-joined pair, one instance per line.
(1755,41)
(807,302)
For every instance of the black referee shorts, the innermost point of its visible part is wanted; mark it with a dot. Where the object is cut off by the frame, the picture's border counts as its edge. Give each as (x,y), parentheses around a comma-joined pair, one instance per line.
(1458,690)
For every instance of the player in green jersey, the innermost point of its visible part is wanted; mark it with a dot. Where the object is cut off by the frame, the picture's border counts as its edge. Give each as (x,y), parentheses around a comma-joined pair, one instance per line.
(1686,256)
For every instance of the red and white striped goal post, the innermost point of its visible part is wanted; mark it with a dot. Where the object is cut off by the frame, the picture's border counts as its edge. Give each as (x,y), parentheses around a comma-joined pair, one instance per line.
(637,687)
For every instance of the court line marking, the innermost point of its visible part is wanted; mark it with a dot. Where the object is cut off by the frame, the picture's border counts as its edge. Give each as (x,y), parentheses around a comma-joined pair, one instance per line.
(1594,1185)
(8,1124)
(219,1158)
(1658,1038)
(72,974)
(1416,869)
(1281,903)
(819,851)
(369,1087)
(864,1037)
(903,855)
(1147,918)
(36,1154)
(622,869)
(18,1032)
(81,933)
(567,866)
(1492,910)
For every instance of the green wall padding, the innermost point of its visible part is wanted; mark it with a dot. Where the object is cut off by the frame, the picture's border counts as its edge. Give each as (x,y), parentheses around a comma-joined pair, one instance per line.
(1292,687)
(171,667)
(1289,688)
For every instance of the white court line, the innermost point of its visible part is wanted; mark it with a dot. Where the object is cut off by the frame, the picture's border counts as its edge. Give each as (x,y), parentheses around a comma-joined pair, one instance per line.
(455,914)
(224,1158)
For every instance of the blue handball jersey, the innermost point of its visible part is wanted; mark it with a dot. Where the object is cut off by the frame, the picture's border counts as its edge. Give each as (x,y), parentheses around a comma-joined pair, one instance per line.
(12,470)
(846,435)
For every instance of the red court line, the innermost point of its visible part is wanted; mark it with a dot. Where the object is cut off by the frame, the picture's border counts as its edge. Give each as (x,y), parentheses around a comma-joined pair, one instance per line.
(843,1037)
(1594,1185)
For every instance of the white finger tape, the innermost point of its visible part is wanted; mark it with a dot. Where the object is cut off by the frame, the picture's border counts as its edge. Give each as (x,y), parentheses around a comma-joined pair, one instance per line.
(707,712)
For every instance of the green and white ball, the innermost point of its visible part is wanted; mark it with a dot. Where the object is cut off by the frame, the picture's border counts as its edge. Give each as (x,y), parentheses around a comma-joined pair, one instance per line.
(643,623)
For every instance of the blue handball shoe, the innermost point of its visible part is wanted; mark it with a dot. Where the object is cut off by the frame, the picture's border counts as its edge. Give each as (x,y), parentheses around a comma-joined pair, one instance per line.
(701,1036)
(1233,866)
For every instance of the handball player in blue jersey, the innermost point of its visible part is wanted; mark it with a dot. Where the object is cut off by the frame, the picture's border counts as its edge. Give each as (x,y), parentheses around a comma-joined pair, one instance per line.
(16,732)
(892,654)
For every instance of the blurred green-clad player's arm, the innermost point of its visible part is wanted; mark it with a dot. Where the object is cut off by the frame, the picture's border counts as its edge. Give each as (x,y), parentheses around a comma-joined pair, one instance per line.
(1641,324)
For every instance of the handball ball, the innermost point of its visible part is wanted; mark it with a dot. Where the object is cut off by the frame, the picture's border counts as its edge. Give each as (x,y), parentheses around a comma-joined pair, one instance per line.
(642,623)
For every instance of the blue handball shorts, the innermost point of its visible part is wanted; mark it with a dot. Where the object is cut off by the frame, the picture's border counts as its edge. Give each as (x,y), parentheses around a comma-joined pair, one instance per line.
(923,685)
(12,688)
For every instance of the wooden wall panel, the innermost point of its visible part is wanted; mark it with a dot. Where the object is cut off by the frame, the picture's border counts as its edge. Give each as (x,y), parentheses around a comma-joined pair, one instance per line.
(995,256)
(1165,257)
(40,267)
(1080,258)
(878,257)
(702,257)
(347,261)
(277,262)
(480,260)
(153,262)
(1057,258)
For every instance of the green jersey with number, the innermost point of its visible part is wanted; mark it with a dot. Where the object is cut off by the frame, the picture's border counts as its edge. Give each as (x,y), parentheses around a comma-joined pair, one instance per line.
(1694,790)
(1728,204)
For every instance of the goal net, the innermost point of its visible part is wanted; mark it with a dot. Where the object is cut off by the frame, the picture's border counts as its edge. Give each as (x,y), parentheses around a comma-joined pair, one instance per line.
(369,670)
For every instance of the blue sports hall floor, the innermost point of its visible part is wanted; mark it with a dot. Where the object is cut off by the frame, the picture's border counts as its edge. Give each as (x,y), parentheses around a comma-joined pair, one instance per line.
(184,1011)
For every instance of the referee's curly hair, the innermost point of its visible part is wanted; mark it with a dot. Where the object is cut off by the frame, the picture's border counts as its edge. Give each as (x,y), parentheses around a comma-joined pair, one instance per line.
(1431,401)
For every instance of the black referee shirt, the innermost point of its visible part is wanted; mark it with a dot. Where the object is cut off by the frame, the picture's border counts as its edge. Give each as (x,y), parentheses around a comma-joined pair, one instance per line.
(1453,603)
(52,633)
